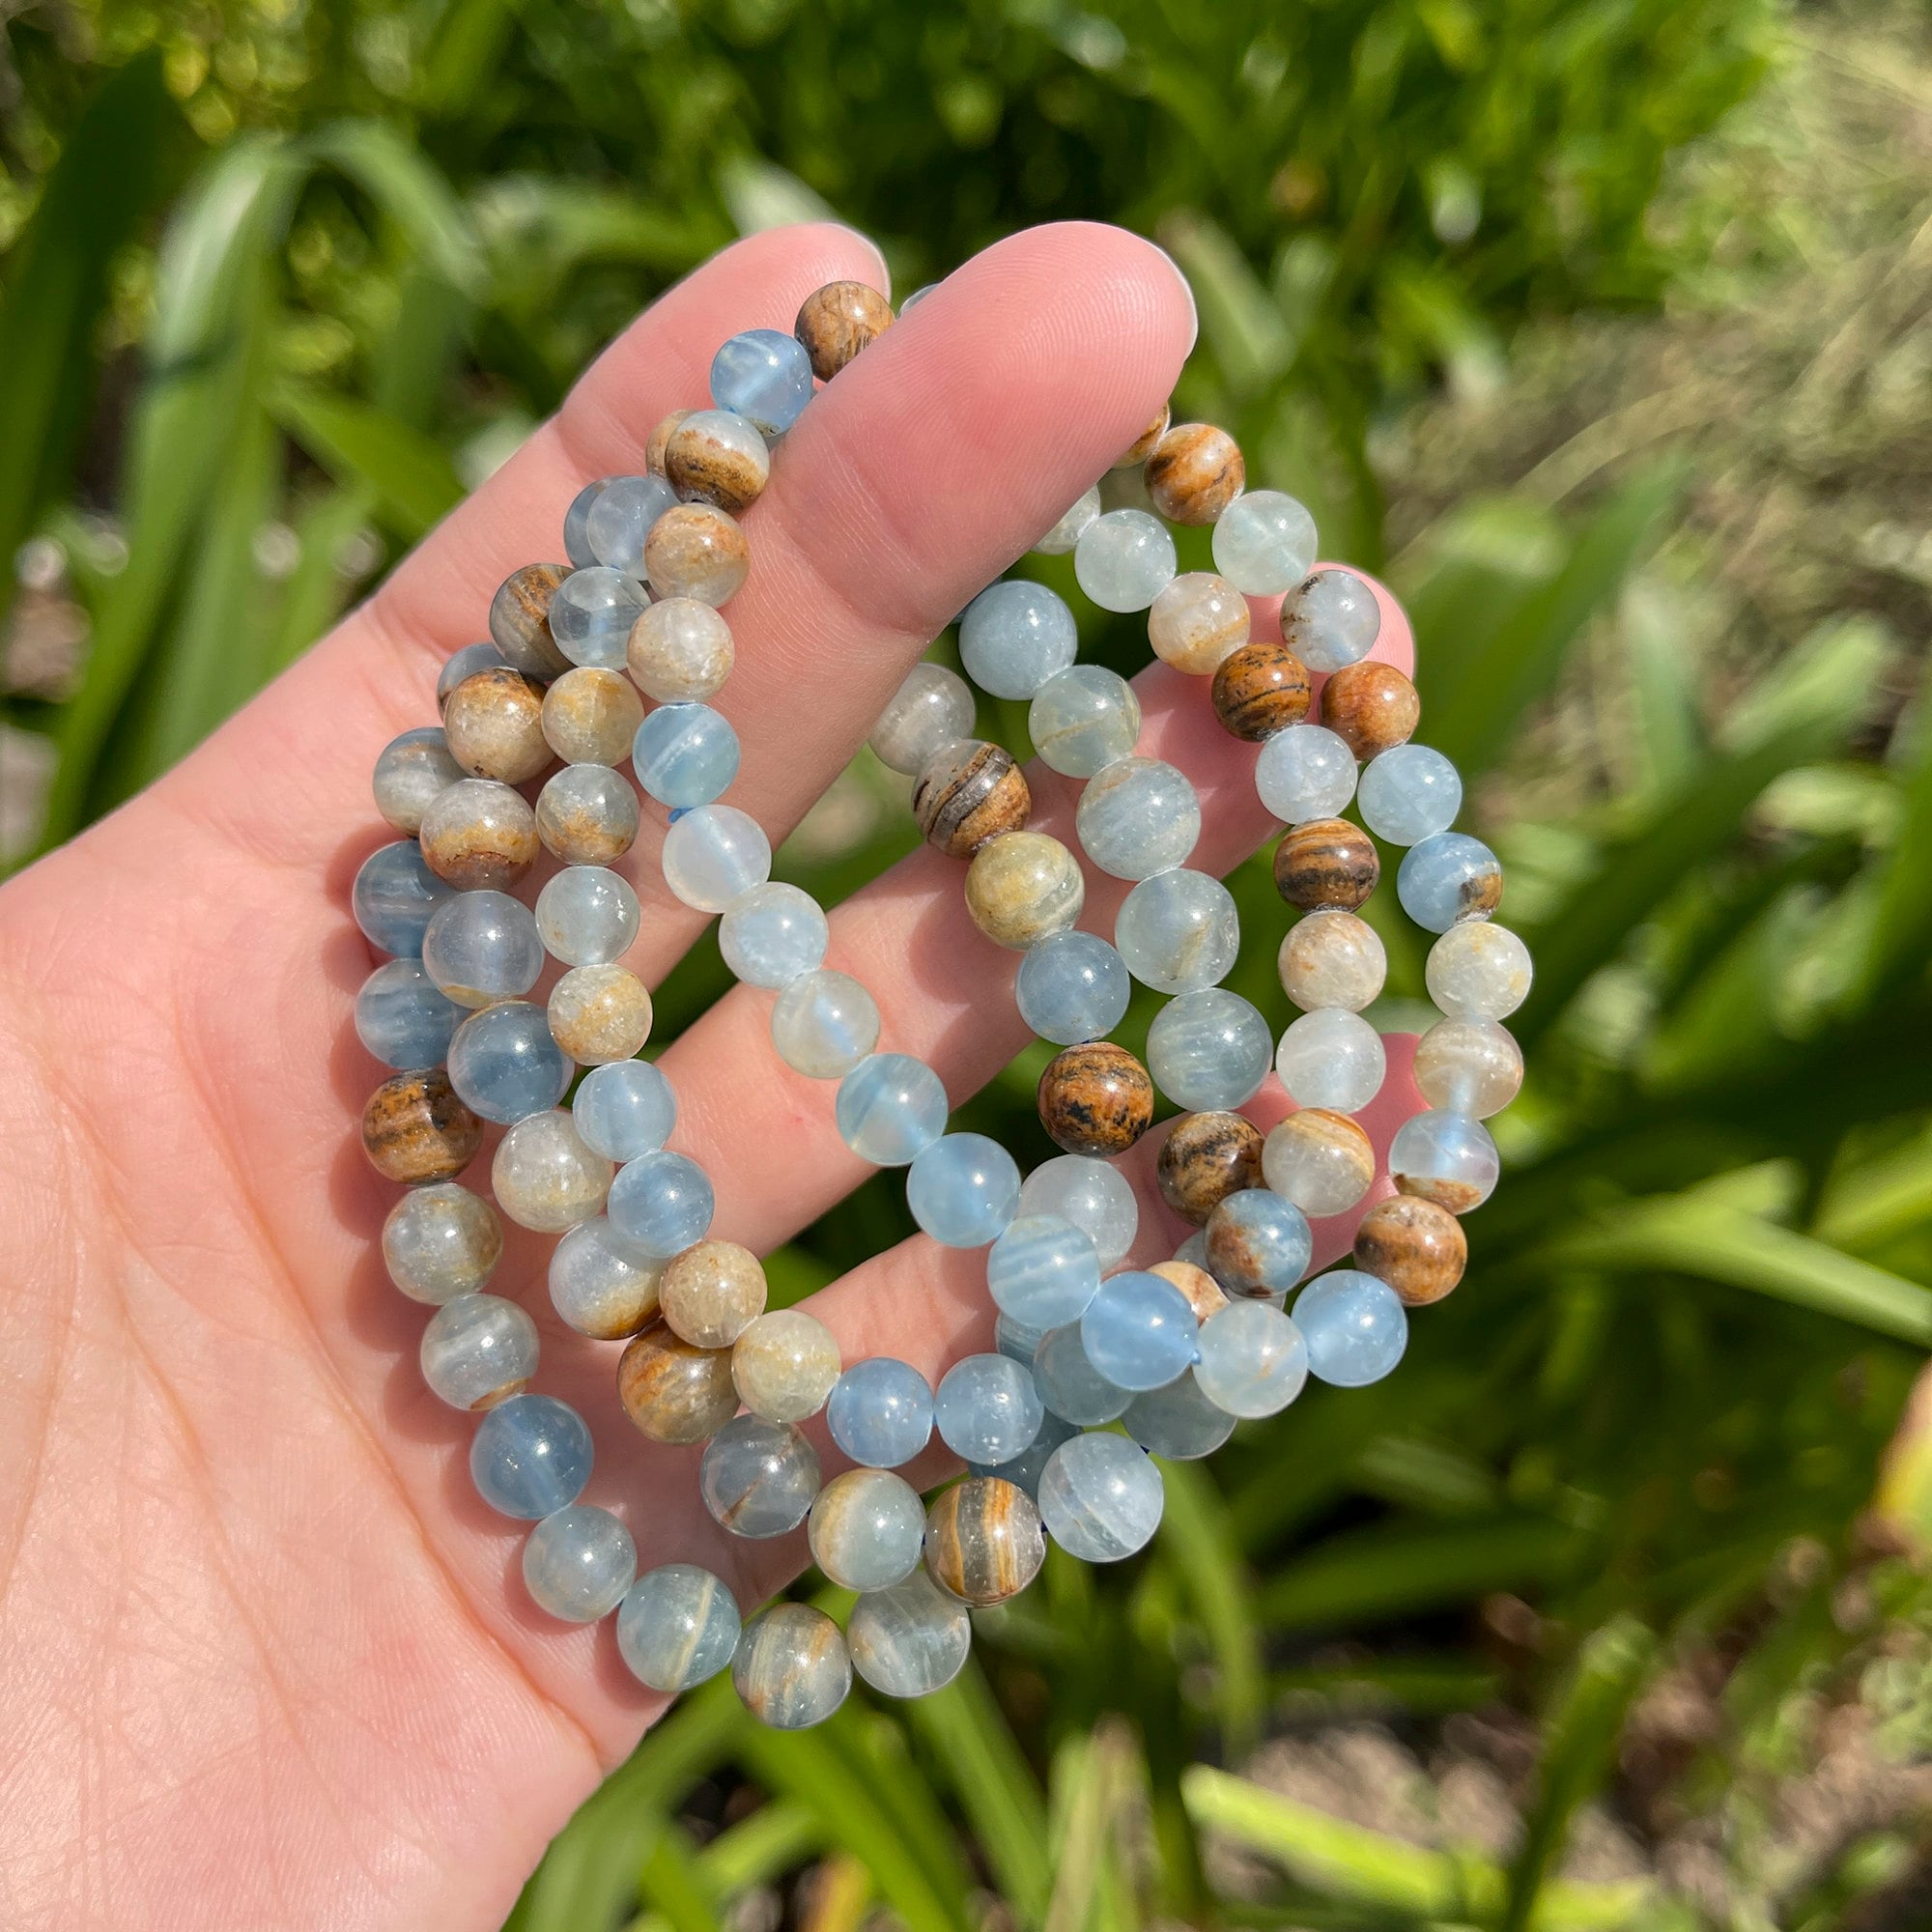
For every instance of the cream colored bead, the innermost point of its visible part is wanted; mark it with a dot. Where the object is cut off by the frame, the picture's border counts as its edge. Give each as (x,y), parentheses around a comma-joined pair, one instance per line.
(1321,1161)
(712,1293)
(600,1014)
(1479,971)
(1332,958)
(783,1365)
(1198,622)
(590,716)
(1468,1067)
(680,651)
(1023,885)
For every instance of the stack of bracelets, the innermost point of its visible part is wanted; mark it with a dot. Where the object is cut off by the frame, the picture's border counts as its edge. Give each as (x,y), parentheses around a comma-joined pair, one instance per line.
(1175,1355)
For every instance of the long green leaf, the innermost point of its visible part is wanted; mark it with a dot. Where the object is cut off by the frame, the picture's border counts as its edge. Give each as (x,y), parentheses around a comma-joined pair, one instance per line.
(673,1885)
(408,474)
(1197,1535)
(411,190)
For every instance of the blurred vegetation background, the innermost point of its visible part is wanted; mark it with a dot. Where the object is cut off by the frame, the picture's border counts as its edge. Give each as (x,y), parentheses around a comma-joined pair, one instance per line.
(1603,328)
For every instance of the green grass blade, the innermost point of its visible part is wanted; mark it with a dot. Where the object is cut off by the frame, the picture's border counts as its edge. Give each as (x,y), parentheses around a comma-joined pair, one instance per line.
(409,188)
(1901,935)
(671,1884)
(771,1841)
(410,475)
(1197,1538)
(1242,326)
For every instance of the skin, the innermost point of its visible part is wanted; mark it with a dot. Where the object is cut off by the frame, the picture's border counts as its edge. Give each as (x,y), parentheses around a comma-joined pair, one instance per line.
(266,1660)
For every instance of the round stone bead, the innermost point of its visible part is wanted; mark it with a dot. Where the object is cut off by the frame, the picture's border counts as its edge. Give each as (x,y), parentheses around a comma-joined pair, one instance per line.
(1205,1294)
(711,1293)
(494,724)
(773,933)
(618,522)
(520,620)
(880,1412)
(477,1351)
(409,773)
(697,551)
(1097,1199)
(466,662)
(1068,1383)
(1100,1497)
(1142,448)
(587,916)
(1083,719)
(1447,1158)
(1253,1359)
(890,1108)
(1095,1099)
(394,894)
(1198,622)
(824,1024)
(1025,1469)
(1409,794)
(1179,931)
(963,1190)
(589,717)
(1074,523)
(987,1410)
(482,947)
(544,1177)
(1015,635)
(865,1529)
(1448,879)
(1322,1161)
(983,1541)
(933,708)
(400,1018)
(674,1391)
(910,1640)
(591,615)
(758,1478)
(1258,1244)
(685,754)
(661,1203)
(713,854)
(440,1241)
(1331,958)
(1125,560)
(1305,771)
(531,1456)
(1138,817)
(1261,688)
(1264,542)
(1354,1326)
(1138,1331)
(1418,1248)
(1206,1159)
(1477,971)
(967,793)
(599,1285)
(679,651)
(784,1364)
(676,1627)
(1194,472)
(586,814)
(1332,621)
(414,1128)
(657,443)
(600,1014)
(791,1669)
(714,456)
(1210,1050)
(579,1563)
(1326,863)
(479,836)
(1016,1339)
(1044,1271)
(1332,1059)
(764,376)
(1021,886)
(1370,707)
(836,321)
(1072,987)
(1177,1421)
(504,1062)
(625,1110)
(577,522)
(1468,1067)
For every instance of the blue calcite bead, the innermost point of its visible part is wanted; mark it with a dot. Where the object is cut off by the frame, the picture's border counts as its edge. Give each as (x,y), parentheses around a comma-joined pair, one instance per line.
(1448,1158)
(1125,560)
(477,1350)
(591,615)
(1354,1328)
(579,1563)
(1139,1331)
(824,1024)
(1094,1196)
(531,1456)
(1257,1243)
(759,1478)
(713,854)
(792,1669)
(1209,1051)
(1083,719)
(1264,542)
(865,1529)
(440,1241)
(463,663)
(764,376)
(1177,1421)
(1448,879)
(988,1408)
(676,1627)
(880,1412)
(1254,1360)
(1073,987)
(890,1109)
(685,753)
(1137,818)
(1332,621)
(773,933)
(1020,1340)
(933,708)
(601,1286)
(661,1203)
(504,1062)
(1044,1271)
(482,947)
(1303,773)
(963,1190)
(402,1018)
(577,523)
(625,1110)
(1179,931)
(1015,635)
(910,1640)
(394,896)
(1100,1497)
(619,520)
(1409,793)
(1070,1386)
(1025,1469)
(588,916)
(409,773)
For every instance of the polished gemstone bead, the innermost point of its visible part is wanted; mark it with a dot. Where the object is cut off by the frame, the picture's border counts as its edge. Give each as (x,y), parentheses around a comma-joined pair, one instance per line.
(1073,524)
(713,854)
(1177,1421)
(1095,1099)
(764,376)
(791,1669)
(1264,542)
(1257,1243)
(1447,1158)
(1044,1271)
(865,1529)
(890,1108)
(1354,1326)
(836,321)
(987,1410)
(1070,1386)
(577,522)
(1253,1359)
(1179,931)
(824,1024)
(969,792)
(1198,622)
(1137,818)
(1021,886)
(415,1129)
(587,916)
(1321,1160)
(493,724)
(409,773)
(520,620)
(478,1351)
(599,1286)
(1210,1049)
(1097,1199)
(1332,1059)
(1409,794)
(1194,472)
(1193,1251)
(1259,690)
(544,1177)
(1326,863)
(579,1563)
(933,708)
(661,1203)
(697,551)
(880,1412)
(482,947)
(679,651)
(1073,986)
(591,615)
(1015,635)
(759,1478)
(983,1540)
(910,1640)
(479,836)
(1305,771)
(1025,1469)
(1100,1497)
(711,1293)
(784,1364)
(1331,958)
(400,1018)
(676,1627)
(1142,448)
(531,1456)
(1205,1294)
(1468,1067)
(1332,621)
(657,446)
(714,456)
(1206,1159)
(588,815)
(600,1014)
(674,1391)
(685,753)
(440,1241)
(1125,560)
(466,662)
(1418,1248)
(1477,971)
(1448,879)
(773,933)
(616,526)
(590,715)
(1083,719)
(1370,707)
(625,1110)
(963,1190)
(1138,1331)
(504,1062)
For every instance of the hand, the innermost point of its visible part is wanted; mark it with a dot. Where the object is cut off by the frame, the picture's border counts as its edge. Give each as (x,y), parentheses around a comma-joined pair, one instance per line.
(268,1658)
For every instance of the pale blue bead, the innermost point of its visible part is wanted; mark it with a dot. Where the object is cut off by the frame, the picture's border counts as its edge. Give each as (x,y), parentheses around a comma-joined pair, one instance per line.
(483,946)
(933,708)
(410,774)
(1177,1421)
(588,916)
(771,935)
(624,1110)
(1100,1497)
(1025,1469)
(591,614)
(764,376)
(1015,635)
(1073,987)
(824,1024)
(685,753)
(891,1107)
(792,1669)
(1179,931)
(1020,1340)
(759,1478)
(676,1627)
(1409,793)
(1072,524)
(1125,560)
(910,1640)
(599,1285)
(1257,1240)
(1138,817)
(621,519)
(1264,542)
(577,523)
(476,1347)
(880,1412)
(1097,1198)
(865,1529)
(1254,1360)
(1194,1250)
(1448,879)
(712,854)
(987,1408)
(1209,1051)
(1139,1330)
(1082,719)
(963,1190)
(1043,1271)
(466,662)
(1071,1387)
(1354,1328)
(1449,1159)
(1305,771)
(531,1456)
(402,1018)
(579,1563)
(504,1062)
(661,1203)
(1333,622)
(394,896)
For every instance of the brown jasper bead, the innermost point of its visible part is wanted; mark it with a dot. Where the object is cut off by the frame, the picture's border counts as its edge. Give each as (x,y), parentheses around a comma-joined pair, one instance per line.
(967,794)
(983,1540)
(715,457)
(590,716)
(1095,1099)
(520,620)
(695,550)
(600,1014)
(1261,688)
(836,321)
(478,834)
(1370,707)
(1203,1292)
(1418,1248)
(494,723)
(660,441)
(415,1129)
(1194,472)
(675,1392)
(1205,1159)
(1140,448)
(1327,862)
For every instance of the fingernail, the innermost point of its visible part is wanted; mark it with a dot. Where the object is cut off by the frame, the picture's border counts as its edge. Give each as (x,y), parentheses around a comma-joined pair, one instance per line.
(1186,289)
